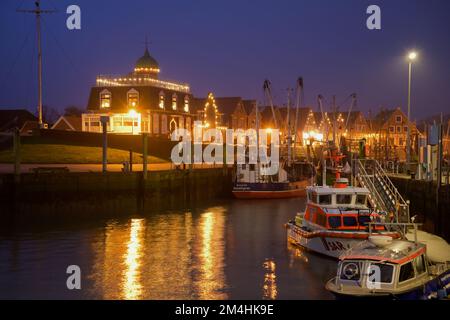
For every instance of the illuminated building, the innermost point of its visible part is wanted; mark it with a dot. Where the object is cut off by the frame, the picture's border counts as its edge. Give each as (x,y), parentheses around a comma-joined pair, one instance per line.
(224,112)
(139,102)
(389,131)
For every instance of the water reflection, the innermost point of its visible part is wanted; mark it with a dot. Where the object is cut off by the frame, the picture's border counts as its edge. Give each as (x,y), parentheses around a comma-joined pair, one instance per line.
(270,291)
(204,253)
(174,256)
(211,275)
(132,282)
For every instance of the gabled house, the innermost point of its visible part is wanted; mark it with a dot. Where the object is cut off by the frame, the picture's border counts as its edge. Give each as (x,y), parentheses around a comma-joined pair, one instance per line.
(68,123)
(390,128)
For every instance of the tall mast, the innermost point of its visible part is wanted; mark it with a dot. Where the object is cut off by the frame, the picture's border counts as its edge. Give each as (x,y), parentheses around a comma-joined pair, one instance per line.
(289,137)
(38,11)
(268,93)
(299,95)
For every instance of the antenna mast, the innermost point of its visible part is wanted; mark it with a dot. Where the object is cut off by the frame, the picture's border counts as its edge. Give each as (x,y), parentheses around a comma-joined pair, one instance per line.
(38,11)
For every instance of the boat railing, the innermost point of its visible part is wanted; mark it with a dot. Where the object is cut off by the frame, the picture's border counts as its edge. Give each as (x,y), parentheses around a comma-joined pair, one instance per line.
(401,227)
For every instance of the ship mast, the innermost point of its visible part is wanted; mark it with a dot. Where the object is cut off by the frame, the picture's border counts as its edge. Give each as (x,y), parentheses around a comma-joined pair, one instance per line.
(38,11)
(299,96)
(289,137)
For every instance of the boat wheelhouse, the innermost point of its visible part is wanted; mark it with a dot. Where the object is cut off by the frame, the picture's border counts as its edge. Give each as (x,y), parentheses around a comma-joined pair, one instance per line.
(398,269)
(335,219)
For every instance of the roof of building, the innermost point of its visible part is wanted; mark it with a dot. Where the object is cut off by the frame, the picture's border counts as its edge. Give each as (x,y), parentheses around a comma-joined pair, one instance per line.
(12,118)
(381,118)
(70,122)
(147,61)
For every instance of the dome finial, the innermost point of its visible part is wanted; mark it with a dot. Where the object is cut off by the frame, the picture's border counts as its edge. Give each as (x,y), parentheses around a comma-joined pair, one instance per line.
(146,43)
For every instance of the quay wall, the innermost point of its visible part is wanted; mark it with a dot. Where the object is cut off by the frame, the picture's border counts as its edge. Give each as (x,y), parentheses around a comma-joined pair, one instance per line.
(66,193)
(435,215)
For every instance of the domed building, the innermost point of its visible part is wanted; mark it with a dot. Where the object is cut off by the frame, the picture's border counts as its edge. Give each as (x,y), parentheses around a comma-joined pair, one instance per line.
(139,102)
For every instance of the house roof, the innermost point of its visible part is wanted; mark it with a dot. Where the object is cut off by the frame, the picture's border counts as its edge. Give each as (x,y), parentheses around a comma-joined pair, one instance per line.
(11,118)
(382,117)
(73,122)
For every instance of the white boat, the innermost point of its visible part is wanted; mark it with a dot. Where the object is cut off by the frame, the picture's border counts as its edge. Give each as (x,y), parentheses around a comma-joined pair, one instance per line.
(335,219)
(393,269)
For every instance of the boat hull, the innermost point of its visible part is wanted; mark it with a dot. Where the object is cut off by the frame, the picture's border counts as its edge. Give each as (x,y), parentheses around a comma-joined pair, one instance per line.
(270,190)
(436,288)
(326,242)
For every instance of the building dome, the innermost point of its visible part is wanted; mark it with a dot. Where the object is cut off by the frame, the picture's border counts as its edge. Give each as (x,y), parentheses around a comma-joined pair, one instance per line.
(146,64)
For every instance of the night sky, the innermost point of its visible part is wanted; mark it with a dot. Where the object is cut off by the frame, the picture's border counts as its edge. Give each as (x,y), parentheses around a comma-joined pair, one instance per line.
(229,47)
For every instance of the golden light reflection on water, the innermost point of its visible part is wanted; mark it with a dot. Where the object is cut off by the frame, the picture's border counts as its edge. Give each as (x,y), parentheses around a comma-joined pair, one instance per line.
(270,290)
(211,278)
(170,256)
(132,287)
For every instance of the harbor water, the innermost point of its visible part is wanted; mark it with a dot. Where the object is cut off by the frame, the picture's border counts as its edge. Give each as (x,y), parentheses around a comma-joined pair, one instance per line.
(231,249)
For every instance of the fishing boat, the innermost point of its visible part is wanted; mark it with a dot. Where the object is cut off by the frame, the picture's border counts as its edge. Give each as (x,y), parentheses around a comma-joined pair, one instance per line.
(290,182)
(393,269)
(293,175)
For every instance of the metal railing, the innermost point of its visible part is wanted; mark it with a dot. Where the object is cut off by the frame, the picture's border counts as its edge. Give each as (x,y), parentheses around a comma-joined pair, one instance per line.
(384,196)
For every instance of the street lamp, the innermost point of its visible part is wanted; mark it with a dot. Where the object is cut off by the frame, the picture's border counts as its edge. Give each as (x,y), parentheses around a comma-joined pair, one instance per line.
(411,57)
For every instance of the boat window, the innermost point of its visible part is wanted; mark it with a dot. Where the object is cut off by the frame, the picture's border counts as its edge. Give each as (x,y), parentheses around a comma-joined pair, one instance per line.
(321,219)
(406,272)
(363,220)
(325,199)
(350,222)
(419,262)
(351,270)
(343,198)
(334,222)
(314,197)
(361,199)
(386,272)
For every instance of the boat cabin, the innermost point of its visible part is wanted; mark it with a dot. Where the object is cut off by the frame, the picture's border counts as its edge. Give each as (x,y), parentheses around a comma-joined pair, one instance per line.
(341,208)
(397,267)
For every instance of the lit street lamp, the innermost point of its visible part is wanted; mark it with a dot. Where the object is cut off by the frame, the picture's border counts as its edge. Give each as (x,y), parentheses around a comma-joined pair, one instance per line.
(411,57)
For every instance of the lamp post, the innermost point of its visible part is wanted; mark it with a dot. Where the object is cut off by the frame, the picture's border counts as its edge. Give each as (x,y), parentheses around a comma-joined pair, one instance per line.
(411,57)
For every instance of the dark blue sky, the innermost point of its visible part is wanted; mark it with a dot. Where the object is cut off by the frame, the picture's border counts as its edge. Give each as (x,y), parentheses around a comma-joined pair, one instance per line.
(230,46)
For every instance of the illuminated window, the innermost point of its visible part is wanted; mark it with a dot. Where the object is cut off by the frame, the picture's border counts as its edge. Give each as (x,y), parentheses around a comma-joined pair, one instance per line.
(398,119)
(133,98)
(174,101)
(105,99)
(186,103)
(162,97)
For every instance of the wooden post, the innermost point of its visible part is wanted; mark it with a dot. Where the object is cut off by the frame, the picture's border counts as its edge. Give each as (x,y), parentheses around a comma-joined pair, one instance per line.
(16,143)
(131,160)
(104,120)
(144,154)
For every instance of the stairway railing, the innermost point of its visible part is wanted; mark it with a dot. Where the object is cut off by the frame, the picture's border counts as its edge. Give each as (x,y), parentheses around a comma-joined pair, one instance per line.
(384,195)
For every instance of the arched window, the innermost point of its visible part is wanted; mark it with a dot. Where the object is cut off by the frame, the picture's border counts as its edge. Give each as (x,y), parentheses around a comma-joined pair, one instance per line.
(174,101)
(132,98)
(172,125)
(162,97)
(105,99)
(186,103)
